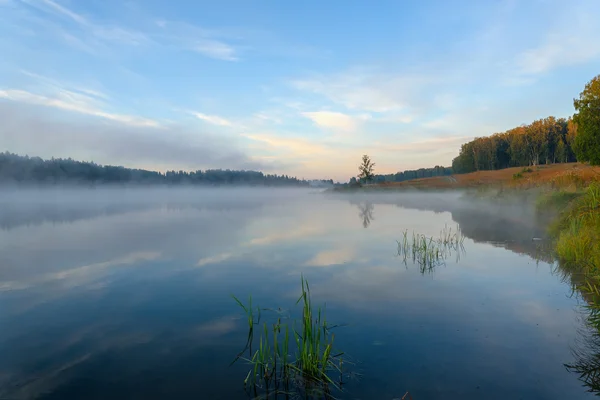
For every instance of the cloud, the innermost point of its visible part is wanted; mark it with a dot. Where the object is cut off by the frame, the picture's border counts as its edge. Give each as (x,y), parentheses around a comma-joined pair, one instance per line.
(213,119)
(268,117)
(330,119)
(565,44)
(113,34)
(83,33)
(219,258)
(31,129)
(290,145)
(215,49)
(61,10)
(328,258)
(209,43)
(360,89)
(558,50)
(72,101)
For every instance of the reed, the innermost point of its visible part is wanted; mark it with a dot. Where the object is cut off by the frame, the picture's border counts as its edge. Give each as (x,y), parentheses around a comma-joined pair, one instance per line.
(579,233)
(429,252)
(312,371)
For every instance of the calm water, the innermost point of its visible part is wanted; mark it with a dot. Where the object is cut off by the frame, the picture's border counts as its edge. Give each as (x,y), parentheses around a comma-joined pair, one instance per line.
(126,294)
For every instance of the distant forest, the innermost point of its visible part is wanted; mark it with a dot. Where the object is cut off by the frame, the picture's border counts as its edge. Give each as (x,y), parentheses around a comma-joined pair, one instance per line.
(410,174)
(25,169)
(545,141)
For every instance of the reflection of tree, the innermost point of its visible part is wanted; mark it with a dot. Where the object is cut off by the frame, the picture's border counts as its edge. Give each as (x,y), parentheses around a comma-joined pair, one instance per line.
(587,351)
(587,355)
(366,213)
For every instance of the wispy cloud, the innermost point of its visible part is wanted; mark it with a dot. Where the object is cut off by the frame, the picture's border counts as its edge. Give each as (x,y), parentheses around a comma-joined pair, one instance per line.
(296,146)
(60,9)
(331,119)
(209,43)
(72,101)
(565,44)
(212,119)
(113,34)
(215,49)
(217,259)
(367,90)
(98,38)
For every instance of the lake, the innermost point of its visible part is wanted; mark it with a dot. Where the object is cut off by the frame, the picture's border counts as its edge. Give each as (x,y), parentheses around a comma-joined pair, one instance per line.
(126,293)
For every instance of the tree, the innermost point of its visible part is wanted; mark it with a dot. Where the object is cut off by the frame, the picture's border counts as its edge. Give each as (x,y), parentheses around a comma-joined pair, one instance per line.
(366,169)
(587,118)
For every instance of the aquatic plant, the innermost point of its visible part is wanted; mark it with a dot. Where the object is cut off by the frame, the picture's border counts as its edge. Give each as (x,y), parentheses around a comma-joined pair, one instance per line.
(313,371)
(429,252)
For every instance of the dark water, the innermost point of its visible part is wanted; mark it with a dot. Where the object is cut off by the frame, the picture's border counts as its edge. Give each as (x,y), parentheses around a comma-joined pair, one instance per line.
(126,295)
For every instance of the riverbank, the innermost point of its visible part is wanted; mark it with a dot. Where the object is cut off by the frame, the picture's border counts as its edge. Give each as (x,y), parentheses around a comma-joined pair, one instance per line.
(576,231)
(555,175)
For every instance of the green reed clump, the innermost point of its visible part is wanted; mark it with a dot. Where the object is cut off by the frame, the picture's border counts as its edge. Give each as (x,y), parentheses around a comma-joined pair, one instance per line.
(578,242)
(312,371)
(429,252)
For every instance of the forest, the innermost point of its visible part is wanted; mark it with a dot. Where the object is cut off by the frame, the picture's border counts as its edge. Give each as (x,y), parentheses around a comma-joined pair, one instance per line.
(545,141)
(411,174)
(24,169)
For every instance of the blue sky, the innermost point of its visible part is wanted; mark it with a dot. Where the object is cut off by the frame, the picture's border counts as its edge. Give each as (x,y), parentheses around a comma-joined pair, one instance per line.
(302,88)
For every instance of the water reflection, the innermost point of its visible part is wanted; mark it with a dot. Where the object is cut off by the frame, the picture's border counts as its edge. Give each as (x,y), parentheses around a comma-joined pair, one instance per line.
(136,303)
(586,356)
(516,227)
(366,213)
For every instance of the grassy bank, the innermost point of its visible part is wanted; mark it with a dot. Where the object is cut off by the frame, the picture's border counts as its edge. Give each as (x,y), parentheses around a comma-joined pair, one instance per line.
(577,230)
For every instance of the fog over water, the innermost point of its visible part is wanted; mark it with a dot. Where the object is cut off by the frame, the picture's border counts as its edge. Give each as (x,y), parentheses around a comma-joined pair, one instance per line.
(125,293)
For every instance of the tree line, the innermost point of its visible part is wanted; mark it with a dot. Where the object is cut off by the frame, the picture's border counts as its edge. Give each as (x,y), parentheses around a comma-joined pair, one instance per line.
(544,141)
(404,175)
(24,169)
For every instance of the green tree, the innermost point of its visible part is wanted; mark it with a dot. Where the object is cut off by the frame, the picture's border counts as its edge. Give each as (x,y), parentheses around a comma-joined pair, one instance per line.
(560,154)
(587,118)
(366,169)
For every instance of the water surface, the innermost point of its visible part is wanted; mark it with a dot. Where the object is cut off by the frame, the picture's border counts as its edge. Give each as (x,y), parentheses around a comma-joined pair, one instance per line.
(125,294)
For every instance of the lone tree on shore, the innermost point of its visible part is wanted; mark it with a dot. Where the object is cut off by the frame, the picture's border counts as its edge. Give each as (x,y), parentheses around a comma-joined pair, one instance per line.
(366,169)
(587,141)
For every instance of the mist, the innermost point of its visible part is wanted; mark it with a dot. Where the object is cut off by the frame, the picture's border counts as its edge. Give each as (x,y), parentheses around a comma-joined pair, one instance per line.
(94,277)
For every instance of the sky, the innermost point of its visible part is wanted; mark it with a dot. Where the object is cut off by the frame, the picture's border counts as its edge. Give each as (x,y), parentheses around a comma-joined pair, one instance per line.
(303,88)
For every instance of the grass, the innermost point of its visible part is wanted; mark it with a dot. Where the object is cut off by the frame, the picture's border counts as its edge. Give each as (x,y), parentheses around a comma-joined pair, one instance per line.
(556,199)
(429,252)
(518,175)
(313,371)
(578,241)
